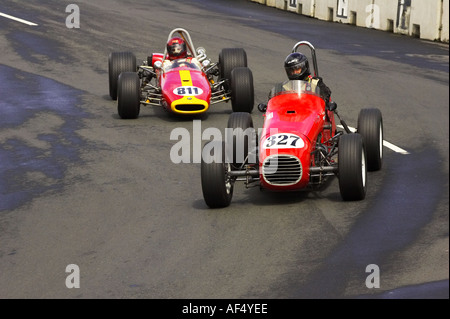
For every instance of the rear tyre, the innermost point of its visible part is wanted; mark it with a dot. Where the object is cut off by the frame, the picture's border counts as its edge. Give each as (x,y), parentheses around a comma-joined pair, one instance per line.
(128,95)
(119,62)
(217,185)
(352,167)
(244,139)
(242,90)
(230,58)
(370,126)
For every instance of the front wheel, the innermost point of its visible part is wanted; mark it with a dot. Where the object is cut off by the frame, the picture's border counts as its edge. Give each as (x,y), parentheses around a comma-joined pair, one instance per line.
(370,126)
(119,62)
(242,90)
(128,95)
(217,185)
(230,58)
(352,167)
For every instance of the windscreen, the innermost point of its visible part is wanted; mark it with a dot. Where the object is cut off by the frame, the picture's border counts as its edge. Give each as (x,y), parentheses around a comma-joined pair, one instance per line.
(297,86)
(182,63)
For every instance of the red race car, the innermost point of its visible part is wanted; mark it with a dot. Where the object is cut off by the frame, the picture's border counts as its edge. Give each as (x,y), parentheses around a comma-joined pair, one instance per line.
(184,81)
(299,148)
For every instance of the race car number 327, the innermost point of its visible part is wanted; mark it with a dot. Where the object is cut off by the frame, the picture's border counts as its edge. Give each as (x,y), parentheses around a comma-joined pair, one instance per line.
(284,141)
(187,91)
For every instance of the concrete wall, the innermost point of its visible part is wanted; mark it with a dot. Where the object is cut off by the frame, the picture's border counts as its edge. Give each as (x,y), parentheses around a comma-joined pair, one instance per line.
(425,19)
(445,14)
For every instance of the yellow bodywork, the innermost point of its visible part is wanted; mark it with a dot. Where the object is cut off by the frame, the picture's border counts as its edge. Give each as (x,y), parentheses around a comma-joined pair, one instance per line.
(186,80)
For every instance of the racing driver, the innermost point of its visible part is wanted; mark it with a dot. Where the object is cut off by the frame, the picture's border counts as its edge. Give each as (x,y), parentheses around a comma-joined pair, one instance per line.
(296,66)
(177,52)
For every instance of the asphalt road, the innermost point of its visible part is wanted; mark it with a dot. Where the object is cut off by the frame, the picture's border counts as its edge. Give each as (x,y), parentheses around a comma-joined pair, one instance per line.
(78,185)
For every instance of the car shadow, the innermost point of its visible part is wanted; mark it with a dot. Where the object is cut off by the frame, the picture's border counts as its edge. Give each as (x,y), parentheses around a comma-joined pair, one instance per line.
(262,197)
(170,117)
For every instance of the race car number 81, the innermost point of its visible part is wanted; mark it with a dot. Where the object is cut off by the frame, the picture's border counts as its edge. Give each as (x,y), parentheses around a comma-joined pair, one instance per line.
(187,91)
(284,141)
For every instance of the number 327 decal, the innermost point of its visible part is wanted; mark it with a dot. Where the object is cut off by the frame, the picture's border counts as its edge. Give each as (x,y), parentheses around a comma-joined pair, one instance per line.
(187,91)
(284,141)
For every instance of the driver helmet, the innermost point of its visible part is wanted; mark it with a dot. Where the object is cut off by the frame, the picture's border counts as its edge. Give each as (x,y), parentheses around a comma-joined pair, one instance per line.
(176,48)
(297,66)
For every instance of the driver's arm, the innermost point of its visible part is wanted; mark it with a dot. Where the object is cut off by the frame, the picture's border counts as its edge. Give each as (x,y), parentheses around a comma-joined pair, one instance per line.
(325,91)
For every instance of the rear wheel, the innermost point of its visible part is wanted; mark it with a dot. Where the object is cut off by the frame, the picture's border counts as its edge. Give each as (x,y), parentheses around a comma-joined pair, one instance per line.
(217,185)
(370,126)
(128,95)
(119,62)
(230,58)
(242,90)
(244,139)
(352,167)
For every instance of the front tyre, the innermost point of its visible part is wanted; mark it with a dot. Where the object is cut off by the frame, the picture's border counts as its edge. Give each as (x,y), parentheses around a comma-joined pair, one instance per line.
(242,90)
(217,185)
(230,58)
(352,167)
(370,126)
(128,95)
(119,62)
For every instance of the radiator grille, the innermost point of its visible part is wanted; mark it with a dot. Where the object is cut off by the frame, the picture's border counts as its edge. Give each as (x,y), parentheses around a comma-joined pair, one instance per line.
(283,170)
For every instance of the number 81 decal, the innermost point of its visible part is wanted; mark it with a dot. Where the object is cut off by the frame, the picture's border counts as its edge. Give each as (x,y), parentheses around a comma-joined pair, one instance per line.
(187,91)
(284,141)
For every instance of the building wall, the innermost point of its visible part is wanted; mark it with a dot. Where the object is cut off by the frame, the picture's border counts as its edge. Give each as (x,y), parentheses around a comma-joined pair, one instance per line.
(425,19)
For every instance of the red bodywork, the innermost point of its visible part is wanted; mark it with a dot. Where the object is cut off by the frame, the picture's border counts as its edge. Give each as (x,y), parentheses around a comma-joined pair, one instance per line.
(294,121)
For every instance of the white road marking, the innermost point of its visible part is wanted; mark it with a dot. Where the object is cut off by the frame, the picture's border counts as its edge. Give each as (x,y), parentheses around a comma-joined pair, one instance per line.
(17,19)
(385,143)
(350,128)
(395,148)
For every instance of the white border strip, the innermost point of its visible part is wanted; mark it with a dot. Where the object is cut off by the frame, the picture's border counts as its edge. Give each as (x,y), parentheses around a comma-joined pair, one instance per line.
(17,19)
(385,143)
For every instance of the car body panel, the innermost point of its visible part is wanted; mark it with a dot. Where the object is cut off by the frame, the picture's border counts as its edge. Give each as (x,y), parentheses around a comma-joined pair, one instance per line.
(293,122)
(185,90)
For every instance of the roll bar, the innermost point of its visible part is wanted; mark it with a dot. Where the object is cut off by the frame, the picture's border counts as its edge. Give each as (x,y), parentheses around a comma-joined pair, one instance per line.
(313,54)
(186,37)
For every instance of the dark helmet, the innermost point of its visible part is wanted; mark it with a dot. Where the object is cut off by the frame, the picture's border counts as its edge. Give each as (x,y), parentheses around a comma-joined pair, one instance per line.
(296,66)
(176,48)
